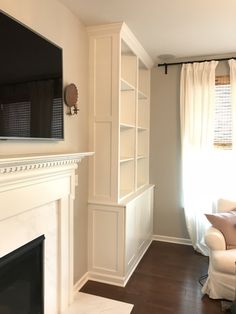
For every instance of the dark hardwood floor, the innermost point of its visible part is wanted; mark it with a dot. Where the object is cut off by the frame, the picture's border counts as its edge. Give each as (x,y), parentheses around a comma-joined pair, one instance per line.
(165,282)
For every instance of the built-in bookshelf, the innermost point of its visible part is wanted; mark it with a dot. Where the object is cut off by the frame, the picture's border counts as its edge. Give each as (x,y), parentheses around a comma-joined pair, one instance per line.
(134,113)
(119,190)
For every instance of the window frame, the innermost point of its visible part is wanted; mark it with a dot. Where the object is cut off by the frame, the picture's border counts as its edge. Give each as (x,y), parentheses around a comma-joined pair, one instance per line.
(222,80)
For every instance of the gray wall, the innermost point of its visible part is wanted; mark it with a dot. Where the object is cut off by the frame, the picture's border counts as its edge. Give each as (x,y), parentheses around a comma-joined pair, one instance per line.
(165,151)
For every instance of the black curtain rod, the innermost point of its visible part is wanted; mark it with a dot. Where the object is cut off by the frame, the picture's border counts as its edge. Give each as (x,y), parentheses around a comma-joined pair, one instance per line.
(184,62)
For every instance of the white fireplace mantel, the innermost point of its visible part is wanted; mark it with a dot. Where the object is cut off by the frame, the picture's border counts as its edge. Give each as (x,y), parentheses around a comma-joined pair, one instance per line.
(19,163)
(36,197)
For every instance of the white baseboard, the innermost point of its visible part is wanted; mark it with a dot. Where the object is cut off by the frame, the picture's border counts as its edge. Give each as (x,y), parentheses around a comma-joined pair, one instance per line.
(107,279)
(162,238)
(111,280)
(80,283)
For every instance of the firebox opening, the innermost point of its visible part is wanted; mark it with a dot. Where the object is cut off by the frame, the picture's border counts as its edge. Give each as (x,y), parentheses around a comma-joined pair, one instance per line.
(21,279)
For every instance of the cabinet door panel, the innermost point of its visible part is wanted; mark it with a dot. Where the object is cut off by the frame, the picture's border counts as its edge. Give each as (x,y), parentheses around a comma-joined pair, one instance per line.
(131,241)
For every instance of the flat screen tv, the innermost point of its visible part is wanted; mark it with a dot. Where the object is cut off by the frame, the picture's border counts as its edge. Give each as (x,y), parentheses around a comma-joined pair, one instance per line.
(31,93)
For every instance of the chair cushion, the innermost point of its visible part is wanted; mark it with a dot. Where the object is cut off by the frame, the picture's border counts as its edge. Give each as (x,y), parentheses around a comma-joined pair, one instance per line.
(226,223)
(224,261)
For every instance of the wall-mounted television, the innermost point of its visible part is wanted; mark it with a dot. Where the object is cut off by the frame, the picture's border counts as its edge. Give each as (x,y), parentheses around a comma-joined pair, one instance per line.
(31,92)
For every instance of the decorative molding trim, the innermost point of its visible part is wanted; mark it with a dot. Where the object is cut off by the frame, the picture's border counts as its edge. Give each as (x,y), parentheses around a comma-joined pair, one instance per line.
(81,282)
(114,218)
(93,202)
(23,163)
(162,238)
(104,28)
(125,201)
(127,35)
(137,194)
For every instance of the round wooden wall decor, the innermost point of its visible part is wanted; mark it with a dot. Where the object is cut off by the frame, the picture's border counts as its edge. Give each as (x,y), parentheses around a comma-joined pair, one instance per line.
(71,95)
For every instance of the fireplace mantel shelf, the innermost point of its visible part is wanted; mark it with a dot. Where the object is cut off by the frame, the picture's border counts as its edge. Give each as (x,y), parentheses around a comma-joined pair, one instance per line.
(18,163)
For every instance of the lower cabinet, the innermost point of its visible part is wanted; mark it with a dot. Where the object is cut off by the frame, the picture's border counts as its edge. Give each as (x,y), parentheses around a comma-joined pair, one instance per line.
(118,236)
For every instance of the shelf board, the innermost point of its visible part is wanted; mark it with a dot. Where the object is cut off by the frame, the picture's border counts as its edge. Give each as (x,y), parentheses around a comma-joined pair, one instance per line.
(141,157)
(140,128)
(125,86)
(126,159)
(141,95)
(126,126)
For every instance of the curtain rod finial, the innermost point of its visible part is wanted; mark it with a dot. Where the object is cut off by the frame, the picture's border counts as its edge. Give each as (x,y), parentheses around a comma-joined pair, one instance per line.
(166,68)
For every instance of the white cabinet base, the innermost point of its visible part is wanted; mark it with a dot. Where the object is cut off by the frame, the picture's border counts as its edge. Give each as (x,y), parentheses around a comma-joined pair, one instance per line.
(116,280)
(119,235)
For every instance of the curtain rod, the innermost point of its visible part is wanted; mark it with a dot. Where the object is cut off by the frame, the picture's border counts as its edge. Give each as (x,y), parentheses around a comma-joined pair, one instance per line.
(184,62)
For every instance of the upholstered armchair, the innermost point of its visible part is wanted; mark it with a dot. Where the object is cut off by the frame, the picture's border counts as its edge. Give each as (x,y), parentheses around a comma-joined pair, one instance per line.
(221,281)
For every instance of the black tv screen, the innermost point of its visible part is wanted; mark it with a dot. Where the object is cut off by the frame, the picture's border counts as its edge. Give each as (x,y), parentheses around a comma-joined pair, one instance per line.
(31,93)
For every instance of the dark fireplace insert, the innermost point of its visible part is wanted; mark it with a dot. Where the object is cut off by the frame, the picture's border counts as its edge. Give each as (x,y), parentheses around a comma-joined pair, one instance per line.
(21,279)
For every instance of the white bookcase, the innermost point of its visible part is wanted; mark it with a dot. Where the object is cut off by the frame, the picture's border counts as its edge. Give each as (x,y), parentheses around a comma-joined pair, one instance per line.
(120,197)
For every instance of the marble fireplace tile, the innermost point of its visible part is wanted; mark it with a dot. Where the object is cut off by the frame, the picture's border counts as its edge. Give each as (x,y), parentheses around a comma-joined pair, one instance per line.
(90,304)
(22,228)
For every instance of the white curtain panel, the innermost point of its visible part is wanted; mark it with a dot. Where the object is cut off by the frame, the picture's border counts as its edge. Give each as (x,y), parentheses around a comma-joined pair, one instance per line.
(197,104)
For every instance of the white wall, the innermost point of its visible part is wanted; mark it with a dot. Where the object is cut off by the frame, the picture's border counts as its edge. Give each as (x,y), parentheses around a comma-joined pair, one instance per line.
(165,154)
(51,19)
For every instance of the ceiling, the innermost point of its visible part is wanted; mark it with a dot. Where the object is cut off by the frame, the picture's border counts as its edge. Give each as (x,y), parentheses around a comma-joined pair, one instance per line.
(181,28)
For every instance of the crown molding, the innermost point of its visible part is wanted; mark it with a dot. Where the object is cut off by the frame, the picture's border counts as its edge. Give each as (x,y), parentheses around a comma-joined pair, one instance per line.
(126,35)
(103,29)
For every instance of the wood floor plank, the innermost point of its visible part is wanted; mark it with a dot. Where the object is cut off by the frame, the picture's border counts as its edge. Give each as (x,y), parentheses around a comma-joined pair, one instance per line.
(165,282)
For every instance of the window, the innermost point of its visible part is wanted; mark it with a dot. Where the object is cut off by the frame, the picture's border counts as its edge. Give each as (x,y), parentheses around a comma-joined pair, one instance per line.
(223,113)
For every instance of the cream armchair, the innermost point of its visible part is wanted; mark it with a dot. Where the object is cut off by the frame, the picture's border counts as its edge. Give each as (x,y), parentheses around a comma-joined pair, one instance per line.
(221,281)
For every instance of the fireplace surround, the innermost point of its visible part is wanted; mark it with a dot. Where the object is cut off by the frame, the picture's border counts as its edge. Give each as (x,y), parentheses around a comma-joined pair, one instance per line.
(36,197)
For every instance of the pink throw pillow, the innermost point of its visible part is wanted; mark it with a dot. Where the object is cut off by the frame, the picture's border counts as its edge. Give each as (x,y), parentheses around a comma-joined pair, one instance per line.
(226,223)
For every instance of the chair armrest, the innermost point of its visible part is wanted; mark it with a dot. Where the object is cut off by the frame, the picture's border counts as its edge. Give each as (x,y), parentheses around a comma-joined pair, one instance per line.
(214,239)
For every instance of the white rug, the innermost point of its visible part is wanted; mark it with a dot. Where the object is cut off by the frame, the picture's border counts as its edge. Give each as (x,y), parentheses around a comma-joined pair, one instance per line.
(90,304)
